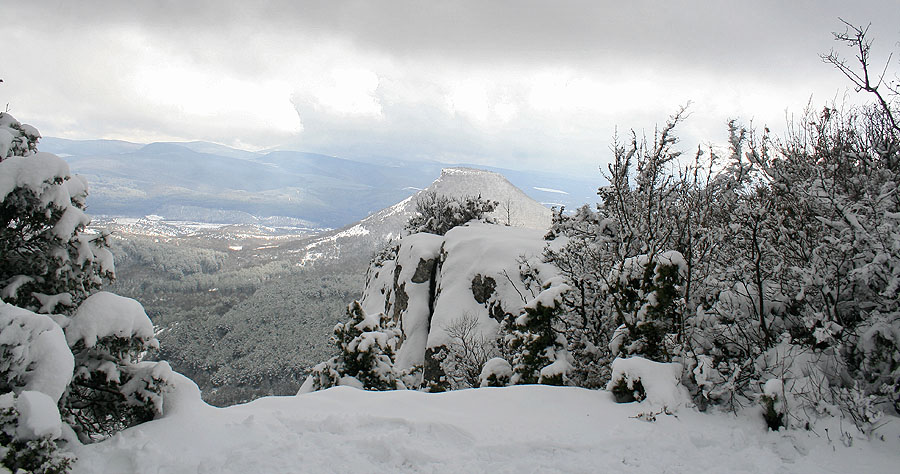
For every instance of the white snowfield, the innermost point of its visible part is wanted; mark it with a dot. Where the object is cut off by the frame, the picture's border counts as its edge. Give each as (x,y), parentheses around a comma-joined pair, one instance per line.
(520,429)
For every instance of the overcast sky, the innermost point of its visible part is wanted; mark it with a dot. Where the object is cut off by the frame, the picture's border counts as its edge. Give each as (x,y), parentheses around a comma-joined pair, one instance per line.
(520,84)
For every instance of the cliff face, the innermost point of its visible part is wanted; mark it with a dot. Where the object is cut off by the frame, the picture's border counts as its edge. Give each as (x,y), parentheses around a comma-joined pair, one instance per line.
(433,281)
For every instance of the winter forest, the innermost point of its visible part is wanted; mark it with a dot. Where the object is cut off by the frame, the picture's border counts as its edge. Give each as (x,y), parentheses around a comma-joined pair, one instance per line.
(725,307)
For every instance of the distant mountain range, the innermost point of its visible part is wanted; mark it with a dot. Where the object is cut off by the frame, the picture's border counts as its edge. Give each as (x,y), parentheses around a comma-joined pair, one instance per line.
(207,182)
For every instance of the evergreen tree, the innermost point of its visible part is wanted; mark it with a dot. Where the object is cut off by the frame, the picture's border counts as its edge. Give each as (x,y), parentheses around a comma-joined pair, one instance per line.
(50,264)
(366,345)
(538,346)
(646,296)
(47,261)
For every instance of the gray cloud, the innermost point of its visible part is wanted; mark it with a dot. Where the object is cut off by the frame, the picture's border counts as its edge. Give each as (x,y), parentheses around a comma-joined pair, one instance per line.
(529,83)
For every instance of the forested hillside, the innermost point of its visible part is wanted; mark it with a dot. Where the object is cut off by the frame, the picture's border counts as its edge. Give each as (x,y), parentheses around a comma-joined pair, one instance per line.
(242,324)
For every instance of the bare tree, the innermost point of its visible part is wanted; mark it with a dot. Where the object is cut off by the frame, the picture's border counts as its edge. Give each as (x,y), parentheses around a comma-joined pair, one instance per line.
(863,77)
(467,351)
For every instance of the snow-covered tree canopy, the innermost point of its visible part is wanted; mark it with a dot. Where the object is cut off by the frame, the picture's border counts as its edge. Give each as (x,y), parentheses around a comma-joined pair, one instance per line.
(48,262)
(77,373)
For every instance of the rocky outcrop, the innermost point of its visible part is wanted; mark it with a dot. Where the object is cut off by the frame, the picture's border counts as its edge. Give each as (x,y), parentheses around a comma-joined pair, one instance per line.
(474,270)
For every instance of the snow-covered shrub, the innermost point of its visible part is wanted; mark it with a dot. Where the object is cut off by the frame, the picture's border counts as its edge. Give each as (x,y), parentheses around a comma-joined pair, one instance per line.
(773,404)
(29,427)
(33,353)
(47,261)
(878,353)
(538,347)
(112,389)
(367,344)
(437,214)
(581,247)
(646,296)
(861,407)
(85,360)
(35,368)
(16,139)
(495,373)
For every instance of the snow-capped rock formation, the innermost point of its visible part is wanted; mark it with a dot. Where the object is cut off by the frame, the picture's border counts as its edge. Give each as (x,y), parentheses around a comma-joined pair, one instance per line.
(514,208)
(474,271)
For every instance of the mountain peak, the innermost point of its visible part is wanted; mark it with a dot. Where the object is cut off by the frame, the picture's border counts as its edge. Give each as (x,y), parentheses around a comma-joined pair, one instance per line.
(514,208)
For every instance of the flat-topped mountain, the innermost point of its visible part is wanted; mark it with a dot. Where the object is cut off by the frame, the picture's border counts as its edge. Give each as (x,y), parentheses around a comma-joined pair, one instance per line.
(514,208)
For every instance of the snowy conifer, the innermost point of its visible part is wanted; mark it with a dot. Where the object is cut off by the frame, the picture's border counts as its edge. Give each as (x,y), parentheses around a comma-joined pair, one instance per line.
(367,344)
(85,357)
(112,389)
(48,262)
(538,346)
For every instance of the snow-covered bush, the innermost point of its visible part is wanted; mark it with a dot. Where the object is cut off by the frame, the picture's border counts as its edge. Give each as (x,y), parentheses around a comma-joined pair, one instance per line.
(33,353)
(367,344)
(646,296)
(112,389)
(639,379)
(581,247)
(495,373)
(537,345)
(878,352)
(437,213)
(773,404)
(47,260)
(35,368)
(788,265)
(29,428)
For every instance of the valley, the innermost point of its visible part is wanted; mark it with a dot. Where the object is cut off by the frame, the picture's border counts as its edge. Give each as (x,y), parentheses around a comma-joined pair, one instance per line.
(246,308)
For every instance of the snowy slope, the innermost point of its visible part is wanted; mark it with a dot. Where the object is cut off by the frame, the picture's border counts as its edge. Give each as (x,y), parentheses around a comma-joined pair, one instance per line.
(515,208)
(508,430)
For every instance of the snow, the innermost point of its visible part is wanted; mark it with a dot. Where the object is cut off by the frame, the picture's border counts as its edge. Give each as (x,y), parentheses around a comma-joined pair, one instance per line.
(6,140)
(551,296)
(49,302)
(560,366)
(505,430)
(32,172)
(38,349)
(549,190)
(12,286)
(38,416)
(106,314)
(660,381)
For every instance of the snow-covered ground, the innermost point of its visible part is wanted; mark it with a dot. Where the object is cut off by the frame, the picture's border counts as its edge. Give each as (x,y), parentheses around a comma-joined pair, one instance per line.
(515,429)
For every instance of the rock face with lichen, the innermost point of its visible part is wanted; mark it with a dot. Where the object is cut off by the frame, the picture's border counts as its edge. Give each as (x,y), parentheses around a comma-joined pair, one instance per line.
(475,270)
